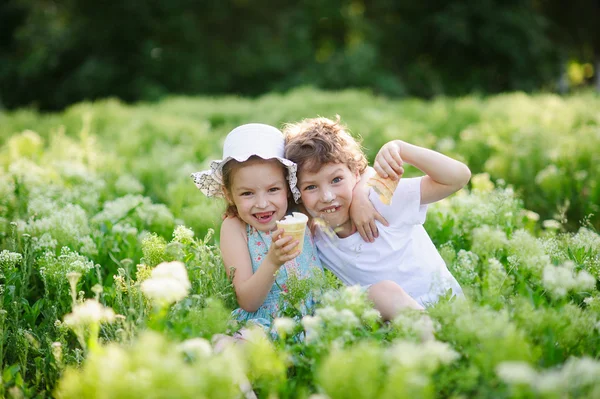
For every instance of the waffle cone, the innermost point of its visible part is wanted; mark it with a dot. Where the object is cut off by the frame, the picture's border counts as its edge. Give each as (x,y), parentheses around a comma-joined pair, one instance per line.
(295,230)
(384,188)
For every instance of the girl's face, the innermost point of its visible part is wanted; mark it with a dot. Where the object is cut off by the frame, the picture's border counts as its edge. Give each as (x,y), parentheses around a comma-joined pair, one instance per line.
(259,191)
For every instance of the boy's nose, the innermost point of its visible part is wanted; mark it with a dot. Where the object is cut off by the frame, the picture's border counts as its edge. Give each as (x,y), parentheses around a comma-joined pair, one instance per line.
(327,196)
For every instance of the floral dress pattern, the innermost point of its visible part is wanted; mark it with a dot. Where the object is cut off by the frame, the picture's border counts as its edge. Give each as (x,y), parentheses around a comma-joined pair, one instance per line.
(305,265)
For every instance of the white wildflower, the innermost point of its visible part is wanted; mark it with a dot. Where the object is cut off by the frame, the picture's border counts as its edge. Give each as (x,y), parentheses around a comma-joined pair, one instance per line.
(9,260)
(371,316)
(312,325)
(164,291)
(183,234)
(516,373)
(284,325)
(57,351)
(428,355)
(532,216)
(89,312)
(128,184)
(551,224)
(560,280)
(348,319)
(174,270)
(196,347)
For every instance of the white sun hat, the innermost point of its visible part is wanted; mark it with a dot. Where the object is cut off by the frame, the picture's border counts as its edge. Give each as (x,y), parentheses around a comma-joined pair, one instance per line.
(252,139)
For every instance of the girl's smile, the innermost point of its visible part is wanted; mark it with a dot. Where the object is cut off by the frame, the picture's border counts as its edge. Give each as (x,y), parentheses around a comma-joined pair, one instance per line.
(259,191)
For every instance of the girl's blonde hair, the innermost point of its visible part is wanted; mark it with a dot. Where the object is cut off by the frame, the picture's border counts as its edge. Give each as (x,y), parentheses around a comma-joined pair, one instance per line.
(314,142)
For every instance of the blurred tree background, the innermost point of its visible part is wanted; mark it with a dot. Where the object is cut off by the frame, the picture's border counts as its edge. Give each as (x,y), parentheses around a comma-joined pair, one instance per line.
(54,53)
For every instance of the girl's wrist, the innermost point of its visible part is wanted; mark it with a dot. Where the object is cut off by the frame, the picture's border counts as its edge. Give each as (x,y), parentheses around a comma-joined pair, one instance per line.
(270,265)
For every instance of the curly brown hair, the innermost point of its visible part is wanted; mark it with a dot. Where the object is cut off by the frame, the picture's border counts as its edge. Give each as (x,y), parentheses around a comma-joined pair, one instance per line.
(314,142)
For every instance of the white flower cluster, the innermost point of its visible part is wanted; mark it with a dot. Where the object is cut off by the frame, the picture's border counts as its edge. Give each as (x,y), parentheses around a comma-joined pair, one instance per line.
(344,318)
(183,234)
(313,326)
(54,269)
(465,267)
(145,214)
(488,240)
(353,297)
(284,326)
(168,283)
(577,375)
(196,347)
(560,280)
(426,356)
(415,325)
(516,373)
(527,252)
(128,184)
(68,225)
(9,260)
(89,312)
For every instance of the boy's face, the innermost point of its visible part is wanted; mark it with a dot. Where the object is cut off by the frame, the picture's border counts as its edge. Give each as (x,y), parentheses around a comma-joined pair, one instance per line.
(327,194)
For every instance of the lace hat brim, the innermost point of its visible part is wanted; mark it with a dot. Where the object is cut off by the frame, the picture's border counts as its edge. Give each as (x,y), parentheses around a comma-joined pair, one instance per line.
(210,181)
(251,139)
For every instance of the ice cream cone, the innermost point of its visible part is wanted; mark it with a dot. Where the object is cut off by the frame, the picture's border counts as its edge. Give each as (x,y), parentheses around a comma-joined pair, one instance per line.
(294,225)
(384,188)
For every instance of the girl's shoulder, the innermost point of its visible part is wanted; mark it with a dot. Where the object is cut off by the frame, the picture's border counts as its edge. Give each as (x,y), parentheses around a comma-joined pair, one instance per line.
(233,226)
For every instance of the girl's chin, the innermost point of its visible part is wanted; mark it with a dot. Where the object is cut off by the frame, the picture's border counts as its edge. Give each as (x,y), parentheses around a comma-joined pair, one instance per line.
(264,227)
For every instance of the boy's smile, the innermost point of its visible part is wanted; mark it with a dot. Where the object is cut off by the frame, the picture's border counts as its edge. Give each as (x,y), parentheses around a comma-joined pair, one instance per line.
(327,194)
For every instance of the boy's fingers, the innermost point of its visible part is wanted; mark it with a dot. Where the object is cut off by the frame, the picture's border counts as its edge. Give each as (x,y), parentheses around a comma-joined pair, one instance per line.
(379,170)
(374,231)
(396,156)
(365,232)
(381,219)
(394,162)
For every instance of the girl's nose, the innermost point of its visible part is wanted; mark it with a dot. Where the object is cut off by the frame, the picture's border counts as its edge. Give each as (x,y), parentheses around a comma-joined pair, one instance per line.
(261,202)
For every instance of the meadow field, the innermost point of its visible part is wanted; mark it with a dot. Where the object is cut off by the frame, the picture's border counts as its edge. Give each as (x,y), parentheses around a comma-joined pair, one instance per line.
(96,199)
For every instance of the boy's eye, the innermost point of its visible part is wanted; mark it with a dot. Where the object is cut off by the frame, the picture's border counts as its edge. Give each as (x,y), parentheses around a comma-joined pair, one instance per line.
(310,187)
(336,180)
(246,193)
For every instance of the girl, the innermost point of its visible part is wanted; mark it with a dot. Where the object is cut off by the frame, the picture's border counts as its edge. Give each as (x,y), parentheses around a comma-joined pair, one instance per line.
(254,178)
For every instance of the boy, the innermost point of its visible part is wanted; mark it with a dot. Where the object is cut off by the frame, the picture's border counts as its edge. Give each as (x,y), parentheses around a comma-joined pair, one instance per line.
(330,163)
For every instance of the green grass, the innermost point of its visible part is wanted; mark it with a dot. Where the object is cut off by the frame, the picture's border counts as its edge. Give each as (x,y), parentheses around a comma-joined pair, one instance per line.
(100,189)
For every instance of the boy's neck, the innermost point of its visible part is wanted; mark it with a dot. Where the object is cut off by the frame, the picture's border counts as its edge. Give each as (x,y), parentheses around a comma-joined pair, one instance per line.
(346,230)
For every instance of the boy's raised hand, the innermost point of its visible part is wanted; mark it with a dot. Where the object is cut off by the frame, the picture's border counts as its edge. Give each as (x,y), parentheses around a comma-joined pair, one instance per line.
(388,162)
(282,249)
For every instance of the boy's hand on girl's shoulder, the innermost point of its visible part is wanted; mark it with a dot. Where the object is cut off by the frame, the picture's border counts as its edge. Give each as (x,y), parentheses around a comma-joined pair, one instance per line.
(388,162)
(283,249)
(363,215)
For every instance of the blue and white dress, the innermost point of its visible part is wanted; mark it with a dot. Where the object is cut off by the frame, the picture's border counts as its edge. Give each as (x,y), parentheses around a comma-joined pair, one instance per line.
(306,265)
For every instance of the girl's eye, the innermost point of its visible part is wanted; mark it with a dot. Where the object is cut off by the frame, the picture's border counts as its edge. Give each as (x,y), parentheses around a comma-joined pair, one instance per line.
(274,189)
(336,180)
(310,187)
(246,193)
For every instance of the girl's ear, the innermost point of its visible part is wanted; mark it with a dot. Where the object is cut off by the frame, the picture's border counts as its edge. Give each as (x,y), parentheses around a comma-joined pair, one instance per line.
(227,197)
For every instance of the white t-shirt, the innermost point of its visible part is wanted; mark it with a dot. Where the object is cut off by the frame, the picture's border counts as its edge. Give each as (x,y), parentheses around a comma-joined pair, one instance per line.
(403,252)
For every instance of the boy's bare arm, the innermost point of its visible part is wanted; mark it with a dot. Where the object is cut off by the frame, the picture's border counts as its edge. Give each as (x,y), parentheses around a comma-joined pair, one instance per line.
(445,175)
